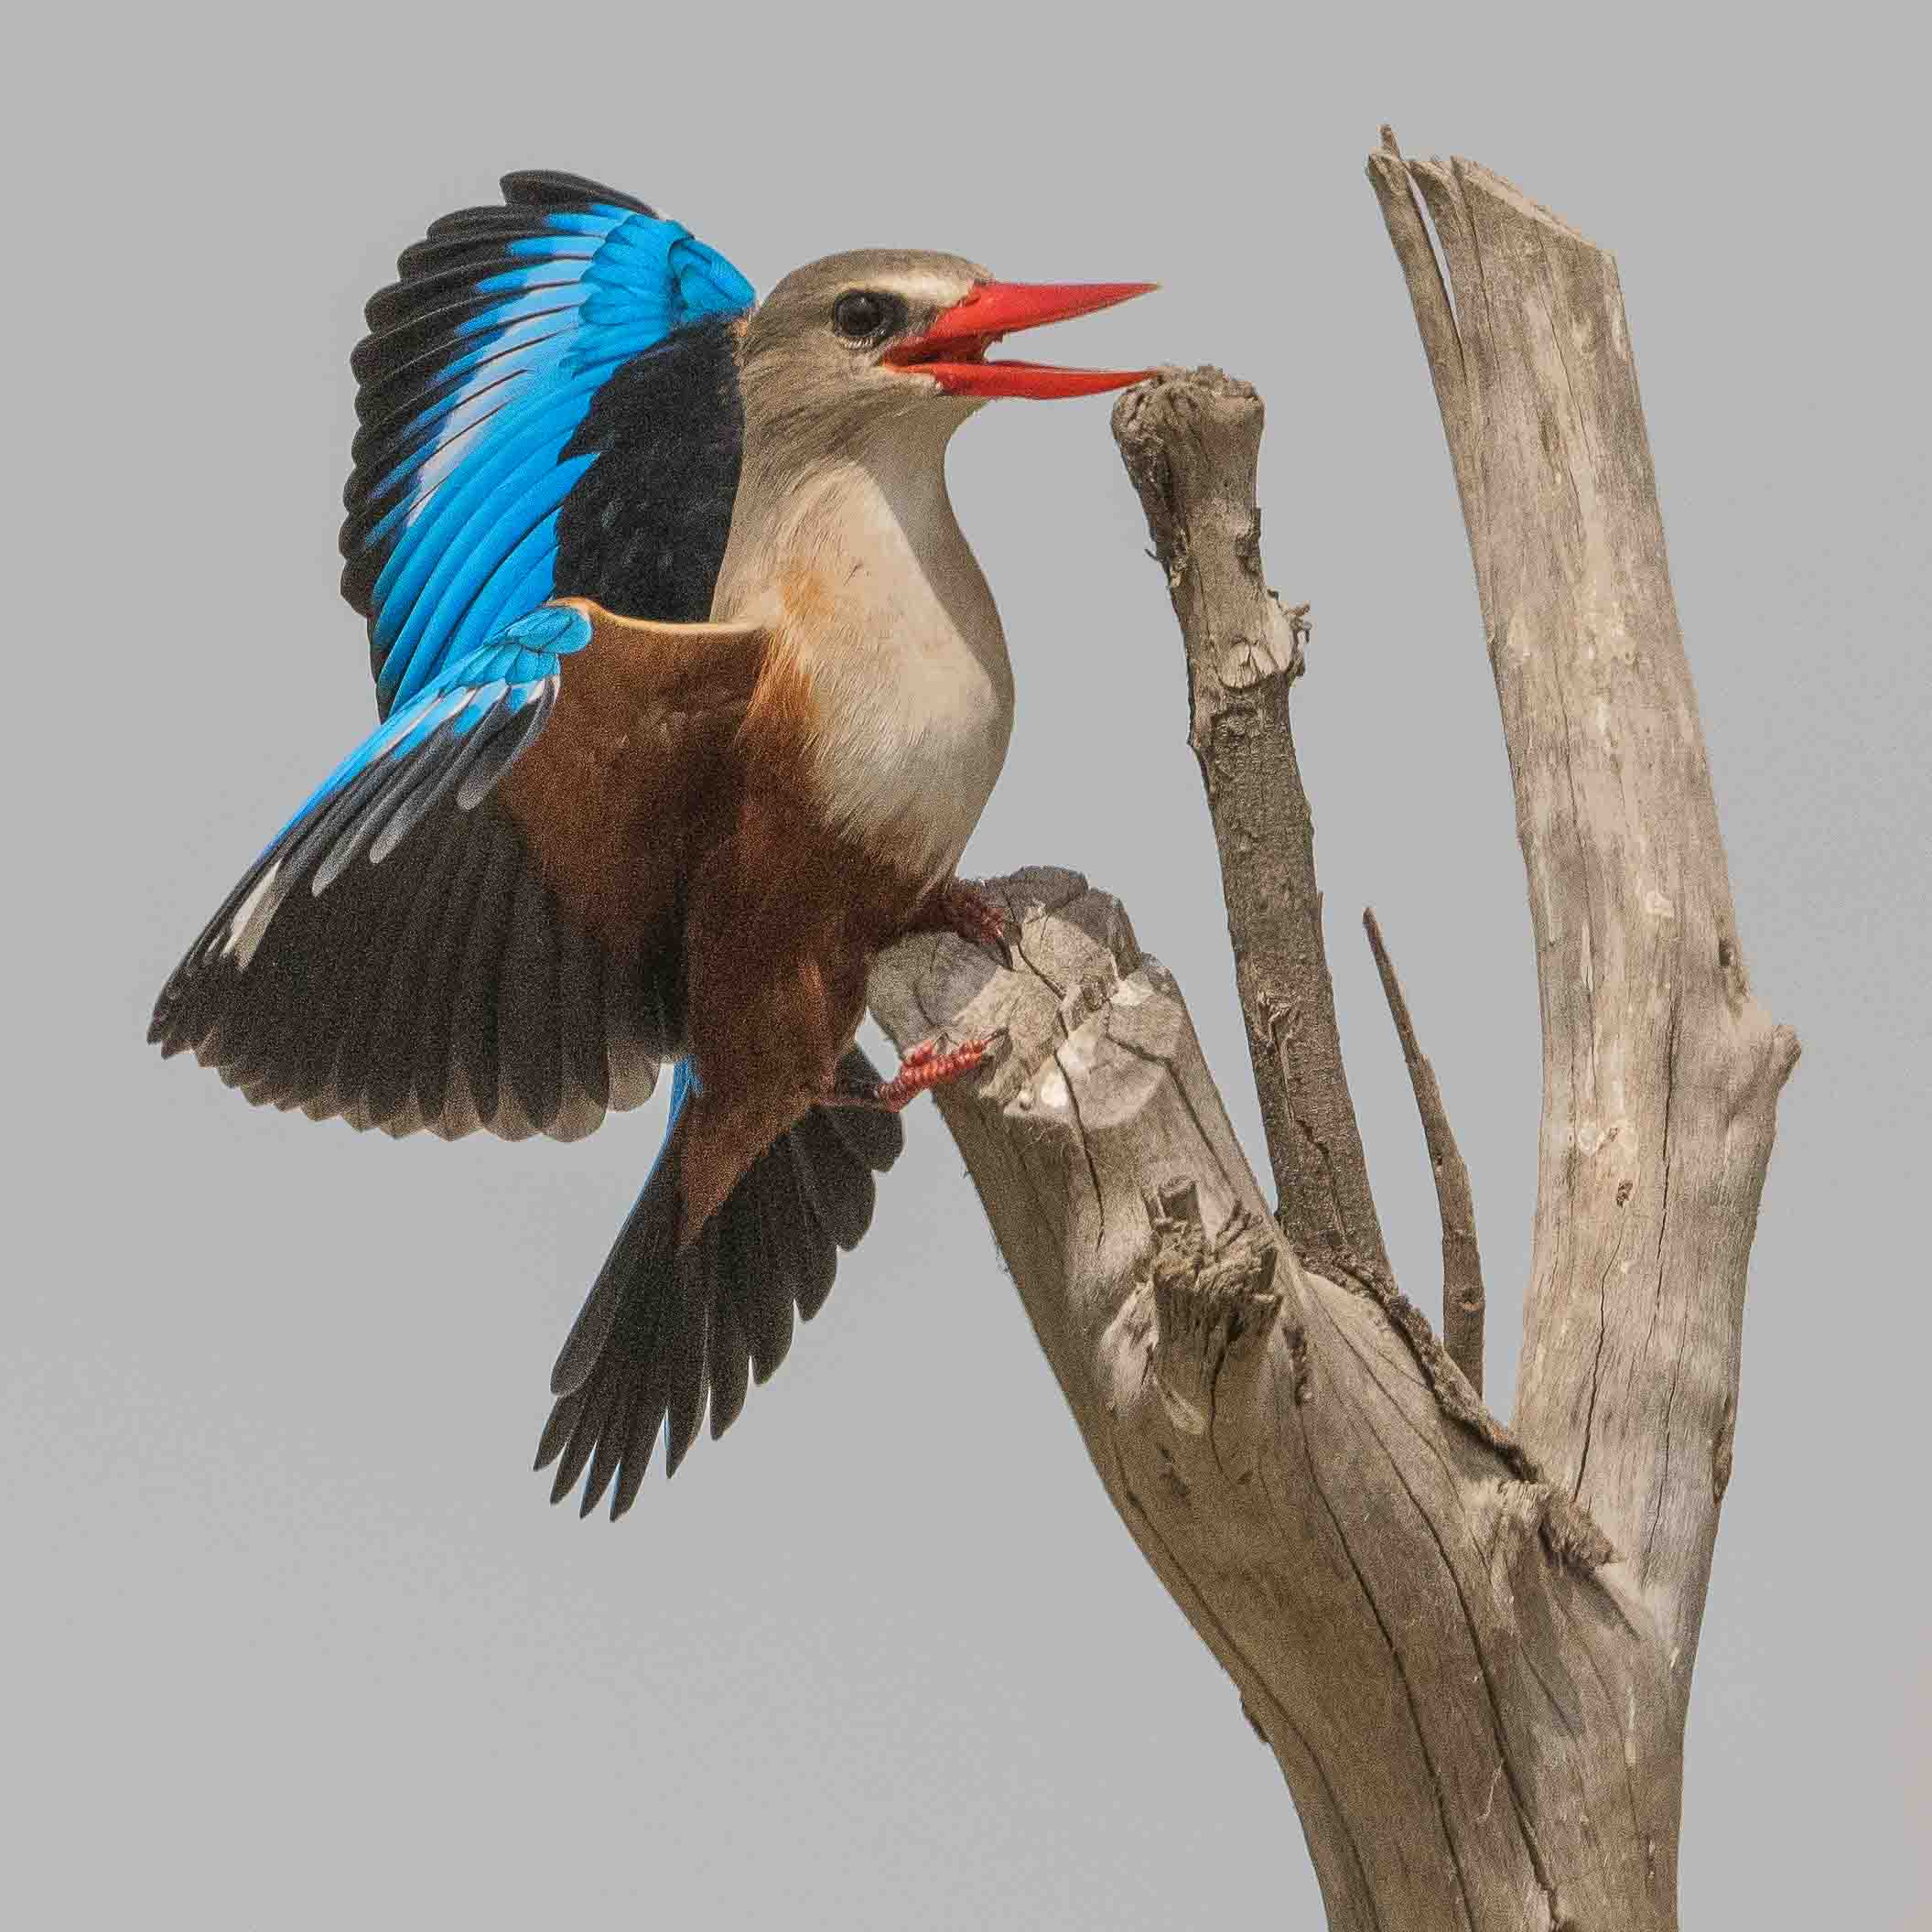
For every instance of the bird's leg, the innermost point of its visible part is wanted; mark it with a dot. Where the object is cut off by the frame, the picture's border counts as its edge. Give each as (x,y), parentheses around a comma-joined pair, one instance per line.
(954,906)
(926,1066)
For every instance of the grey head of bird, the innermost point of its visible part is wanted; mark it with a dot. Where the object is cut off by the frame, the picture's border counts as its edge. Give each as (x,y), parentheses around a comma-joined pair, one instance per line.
(894,342)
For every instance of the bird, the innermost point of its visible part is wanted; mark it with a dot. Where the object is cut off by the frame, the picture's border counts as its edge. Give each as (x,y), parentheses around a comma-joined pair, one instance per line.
(690,693)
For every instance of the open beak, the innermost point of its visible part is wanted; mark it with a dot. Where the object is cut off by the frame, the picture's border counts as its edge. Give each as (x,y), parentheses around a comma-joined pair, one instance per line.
(952,351)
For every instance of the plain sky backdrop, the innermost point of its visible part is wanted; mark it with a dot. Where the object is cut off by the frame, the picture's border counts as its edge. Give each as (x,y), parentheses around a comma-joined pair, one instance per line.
(290,1638)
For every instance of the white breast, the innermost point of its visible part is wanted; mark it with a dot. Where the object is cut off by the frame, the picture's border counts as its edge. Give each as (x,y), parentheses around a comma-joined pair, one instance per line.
(894,623)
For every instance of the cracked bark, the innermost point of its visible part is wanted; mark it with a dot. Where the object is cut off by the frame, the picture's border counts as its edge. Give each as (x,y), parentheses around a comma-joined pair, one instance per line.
(1190,446)
(1466,1646)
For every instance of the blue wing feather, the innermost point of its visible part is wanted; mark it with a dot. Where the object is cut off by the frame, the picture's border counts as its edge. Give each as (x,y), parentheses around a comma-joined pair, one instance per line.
(488,687)
(482,364)
(394,957)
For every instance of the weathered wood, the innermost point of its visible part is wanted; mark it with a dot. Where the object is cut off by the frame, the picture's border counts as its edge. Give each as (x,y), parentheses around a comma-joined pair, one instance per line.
(1191,441)
(1660,1072)
(1464,1304)
(1468,1649)
(1403,1608)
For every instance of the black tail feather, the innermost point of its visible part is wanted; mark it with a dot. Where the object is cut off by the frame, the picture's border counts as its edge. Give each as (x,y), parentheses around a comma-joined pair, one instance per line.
(660,1332)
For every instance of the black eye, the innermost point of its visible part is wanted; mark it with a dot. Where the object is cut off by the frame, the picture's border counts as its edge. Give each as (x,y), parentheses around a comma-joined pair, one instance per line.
(862,314)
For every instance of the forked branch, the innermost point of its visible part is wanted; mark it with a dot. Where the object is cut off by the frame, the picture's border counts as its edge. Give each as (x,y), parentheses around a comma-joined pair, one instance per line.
(1468,1649)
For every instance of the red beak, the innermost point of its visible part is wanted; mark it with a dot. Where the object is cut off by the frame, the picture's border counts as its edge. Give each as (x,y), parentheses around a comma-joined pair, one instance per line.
(952,351)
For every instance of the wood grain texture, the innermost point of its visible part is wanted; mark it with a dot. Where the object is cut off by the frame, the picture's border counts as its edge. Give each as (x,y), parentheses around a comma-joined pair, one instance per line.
(1191,443)
(1660,1070)
(1400,1601)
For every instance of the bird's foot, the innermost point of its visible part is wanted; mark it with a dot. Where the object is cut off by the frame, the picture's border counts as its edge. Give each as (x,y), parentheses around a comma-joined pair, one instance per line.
(924,1066)
(957,907)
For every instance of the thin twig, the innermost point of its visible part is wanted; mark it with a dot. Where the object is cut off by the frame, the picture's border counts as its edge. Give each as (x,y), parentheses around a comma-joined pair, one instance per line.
(1463,1298)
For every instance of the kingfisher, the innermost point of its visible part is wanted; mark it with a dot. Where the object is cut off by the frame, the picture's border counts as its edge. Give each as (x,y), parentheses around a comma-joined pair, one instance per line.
(690,693)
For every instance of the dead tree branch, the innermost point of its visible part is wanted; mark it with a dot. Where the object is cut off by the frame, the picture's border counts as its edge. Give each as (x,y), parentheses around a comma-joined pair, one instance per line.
(1464,1304)
(1395,1594)
(1468,1649)
(1660,1072)
(1191,442)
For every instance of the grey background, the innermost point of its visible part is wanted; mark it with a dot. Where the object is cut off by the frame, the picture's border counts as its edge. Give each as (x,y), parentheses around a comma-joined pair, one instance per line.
(290,1638)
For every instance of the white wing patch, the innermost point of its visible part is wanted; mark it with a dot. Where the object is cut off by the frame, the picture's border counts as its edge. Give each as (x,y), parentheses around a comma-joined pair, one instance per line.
(245,930)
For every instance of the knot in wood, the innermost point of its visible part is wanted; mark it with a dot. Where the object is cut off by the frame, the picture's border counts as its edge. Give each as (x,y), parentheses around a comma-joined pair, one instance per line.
(1215,1301)
(1242,662)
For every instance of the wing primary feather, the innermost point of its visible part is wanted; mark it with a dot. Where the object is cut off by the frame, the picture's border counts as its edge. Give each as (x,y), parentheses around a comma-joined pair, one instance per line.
(542,187)
(432,378)
(462,221)
(392,1094)
(580,1018)
(314,835)
(528,1046)
(479,252)
(398,780)
(456,289)
(506,745)
(426,332)
(404,438)
(435,1051)
(473,1018)
(449,770)
(381,920)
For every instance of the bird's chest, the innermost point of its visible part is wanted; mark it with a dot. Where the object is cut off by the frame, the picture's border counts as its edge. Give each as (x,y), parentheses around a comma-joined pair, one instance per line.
(912,696)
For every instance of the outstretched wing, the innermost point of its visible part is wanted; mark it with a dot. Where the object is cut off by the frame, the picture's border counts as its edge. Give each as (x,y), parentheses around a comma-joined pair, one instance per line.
(572,331)
(428,941)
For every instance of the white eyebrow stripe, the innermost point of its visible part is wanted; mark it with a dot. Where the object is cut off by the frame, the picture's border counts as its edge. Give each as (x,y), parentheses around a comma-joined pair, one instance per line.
(925,290)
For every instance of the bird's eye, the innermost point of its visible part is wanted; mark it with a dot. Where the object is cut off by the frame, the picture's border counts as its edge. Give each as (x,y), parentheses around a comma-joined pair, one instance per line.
(861,315)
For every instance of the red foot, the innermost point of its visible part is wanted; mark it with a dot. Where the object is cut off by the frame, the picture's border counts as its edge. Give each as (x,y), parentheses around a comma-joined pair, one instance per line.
(957,907)
(926,1066)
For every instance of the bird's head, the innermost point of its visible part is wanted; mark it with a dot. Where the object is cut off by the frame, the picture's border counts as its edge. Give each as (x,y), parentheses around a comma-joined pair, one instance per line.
(878,336)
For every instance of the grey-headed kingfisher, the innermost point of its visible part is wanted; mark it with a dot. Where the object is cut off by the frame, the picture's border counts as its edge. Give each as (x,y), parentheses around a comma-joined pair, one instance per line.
(691,693)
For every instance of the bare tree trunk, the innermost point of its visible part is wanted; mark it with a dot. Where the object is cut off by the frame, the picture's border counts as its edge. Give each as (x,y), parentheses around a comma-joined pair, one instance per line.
(1468,1648)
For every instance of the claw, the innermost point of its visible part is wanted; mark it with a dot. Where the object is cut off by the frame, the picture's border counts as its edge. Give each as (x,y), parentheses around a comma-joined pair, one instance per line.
(924,1066)
(966,910)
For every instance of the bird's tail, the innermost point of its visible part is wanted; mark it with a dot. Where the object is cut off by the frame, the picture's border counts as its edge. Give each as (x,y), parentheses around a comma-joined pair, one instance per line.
(659,1329)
